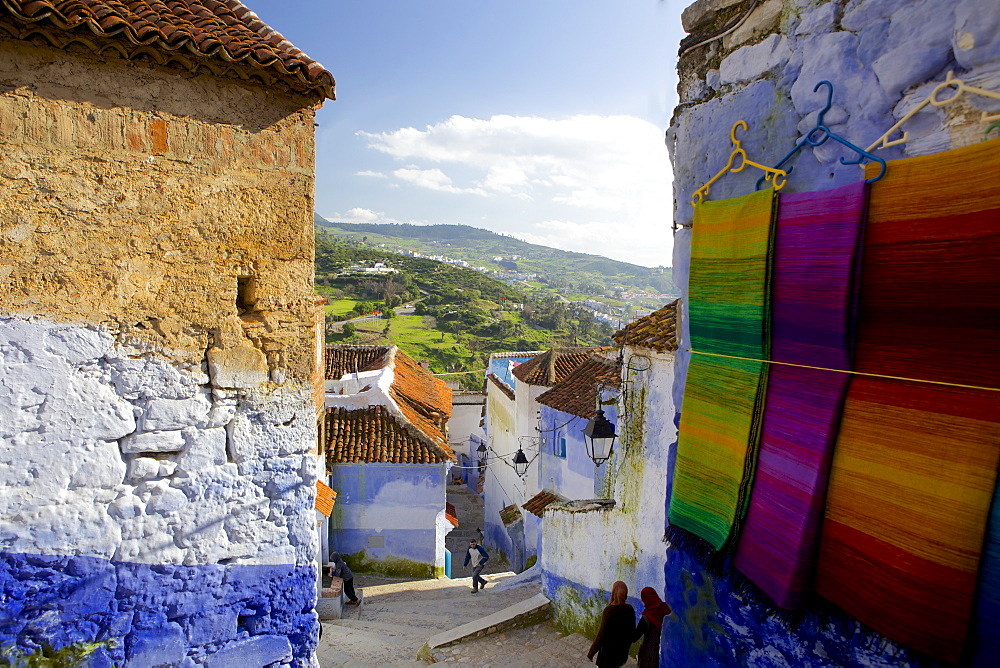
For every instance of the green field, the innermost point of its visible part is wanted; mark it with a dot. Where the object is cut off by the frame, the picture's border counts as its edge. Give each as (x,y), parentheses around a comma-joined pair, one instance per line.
(339,306)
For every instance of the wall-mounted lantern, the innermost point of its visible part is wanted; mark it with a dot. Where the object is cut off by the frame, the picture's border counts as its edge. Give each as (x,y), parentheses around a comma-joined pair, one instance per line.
(600,437)
(521,463)
(482,452)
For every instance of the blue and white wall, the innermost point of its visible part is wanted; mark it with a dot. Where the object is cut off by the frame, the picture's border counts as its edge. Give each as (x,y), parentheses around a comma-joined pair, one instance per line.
(501,486)
(146,508)
(390,518)
(883,57)
(586,548)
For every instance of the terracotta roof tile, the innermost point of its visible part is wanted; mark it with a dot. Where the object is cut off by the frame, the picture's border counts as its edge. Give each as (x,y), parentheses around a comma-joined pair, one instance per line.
(325,498)
(536,504)
(374,435)
(222,34)
(551,366)
(501,385)
(423,399)
(658,330)
(509,515)
(341,360)
(577,393)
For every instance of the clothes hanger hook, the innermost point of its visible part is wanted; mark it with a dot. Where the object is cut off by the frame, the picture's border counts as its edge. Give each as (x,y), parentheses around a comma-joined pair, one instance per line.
(829,100)
(732,133)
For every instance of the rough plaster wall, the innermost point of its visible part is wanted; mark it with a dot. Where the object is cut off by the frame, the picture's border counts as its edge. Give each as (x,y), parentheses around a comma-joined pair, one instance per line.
(502,486)
(883,57)
(157,481)
(583,553)
(571,476)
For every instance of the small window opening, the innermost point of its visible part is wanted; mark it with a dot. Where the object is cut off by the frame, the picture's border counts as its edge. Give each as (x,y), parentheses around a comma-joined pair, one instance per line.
(245,297)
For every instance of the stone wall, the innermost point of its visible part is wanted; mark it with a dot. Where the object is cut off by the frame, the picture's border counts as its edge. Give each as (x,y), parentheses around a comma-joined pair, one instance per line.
(585,550)
(157,363)
(759,61)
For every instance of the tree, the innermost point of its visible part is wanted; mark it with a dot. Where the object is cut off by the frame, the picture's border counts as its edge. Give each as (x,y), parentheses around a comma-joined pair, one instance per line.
(349,329)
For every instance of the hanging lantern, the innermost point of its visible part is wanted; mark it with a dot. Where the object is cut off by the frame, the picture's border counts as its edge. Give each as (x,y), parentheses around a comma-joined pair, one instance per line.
(521,463)
(600,438)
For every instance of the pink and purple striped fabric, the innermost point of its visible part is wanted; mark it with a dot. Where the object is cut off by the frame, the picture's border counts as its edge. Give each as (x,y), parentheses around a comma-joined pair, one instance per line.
(817,243)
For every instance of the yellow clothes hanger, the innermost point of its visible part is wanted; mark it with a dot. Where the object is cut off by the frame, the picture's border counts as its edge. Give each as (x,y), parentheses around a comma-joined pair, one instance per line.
(737,161)
(932,99)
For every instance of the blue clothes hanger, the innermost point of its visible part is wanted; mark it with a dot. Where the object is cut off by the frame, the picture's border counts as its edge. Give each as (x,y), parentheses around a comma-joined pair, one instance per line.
(819,134)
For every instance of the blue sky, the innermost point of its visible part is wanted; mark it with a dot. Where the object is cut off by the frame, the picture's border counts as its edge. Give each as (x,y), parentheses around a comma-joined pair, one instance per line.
(541,119)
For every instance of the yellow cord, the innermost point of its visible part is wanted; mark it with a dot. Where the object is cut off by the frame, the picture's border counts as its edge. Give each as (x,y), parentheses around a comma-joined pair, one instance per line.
(856,373)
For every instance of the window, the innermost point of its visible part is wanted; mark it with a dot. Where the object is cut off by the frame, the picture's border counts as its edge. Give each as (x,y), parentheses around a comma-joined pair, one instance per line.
(559,446)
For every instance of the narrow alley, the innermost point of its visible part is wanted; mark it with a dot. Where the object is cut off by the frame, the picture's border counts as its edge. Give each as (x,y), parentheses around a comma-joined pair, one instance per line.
(398,616)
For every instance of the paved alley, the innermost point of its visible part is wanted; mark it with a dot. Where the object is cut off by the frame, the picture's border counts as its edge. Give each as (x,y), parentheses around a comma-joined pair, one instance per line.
(397,618)
(469,509)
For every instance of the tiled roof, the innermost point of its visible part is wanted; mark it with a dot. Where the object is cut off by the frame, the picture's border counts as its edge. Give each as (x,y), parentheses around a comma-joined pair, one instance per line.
(500,384)
(374,435)
(450,514)
(509,515)
(551,366)
(536,504)
(577,393)
(325,498)
(658,330)
(341,360)
(424,400)
(222,35)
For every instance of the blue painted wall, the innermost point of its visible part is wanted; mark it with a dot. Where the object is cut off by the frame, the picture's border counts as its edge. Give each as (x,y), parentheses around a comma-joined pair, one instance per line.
(720,619)
(158,614)
(399,502)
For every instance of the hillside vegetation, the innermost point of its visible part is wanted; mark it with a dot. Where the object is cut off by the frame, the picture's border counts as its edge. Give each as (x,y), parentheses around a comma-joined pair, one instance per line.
(459,316)
(563,271)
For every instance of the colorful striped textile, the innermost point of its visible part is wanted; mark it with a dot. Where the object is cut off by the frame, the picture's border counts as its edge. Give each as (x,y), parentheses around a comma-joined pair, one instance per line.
(723,397)
(932,257)
(910,488)
(816,243)
(915,464)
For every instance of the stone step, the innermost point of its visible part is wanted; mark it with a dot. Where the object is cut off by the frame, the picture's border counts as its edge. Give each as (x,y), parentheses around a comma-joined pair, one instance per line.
(524,613)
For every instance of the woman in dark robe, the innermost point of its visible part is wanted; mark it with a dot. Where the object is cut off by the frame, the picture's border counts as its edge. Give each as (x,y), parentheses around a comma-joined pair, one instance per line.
(654,610)
(617,630)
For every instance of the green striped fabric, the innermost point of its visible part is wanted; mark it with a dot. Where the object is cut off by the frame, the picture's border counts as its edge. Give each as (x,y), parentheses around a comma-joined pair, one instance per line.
(724,398)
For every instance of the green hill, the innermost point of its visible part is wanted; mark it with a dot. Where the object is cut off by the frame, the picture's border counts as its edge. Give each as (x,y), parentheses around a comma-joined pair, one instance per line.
(565,272)
(460,315)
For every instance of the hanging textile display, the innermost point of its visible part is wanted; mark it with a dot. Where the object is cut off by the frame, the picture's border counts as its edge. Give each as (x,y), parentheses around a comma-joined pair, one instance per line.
(816,244)
(914,469)
(723,397)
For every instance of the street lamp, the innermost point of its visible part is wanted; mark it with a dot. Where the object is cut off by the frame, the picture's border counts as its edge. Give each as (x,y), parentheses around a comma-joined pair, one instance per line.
(482,452)
(521,463)
(600,437)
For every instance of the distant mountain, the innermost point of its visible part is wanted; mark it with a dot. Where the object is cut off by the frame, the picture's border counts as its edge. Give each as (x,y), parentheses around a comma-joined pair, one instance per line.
(566,270)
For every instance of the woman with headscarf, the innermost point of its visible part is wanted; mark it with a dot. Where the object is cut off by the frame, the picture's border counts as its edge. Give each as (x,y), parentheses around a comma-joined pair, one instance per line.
(654,610)
(617,630)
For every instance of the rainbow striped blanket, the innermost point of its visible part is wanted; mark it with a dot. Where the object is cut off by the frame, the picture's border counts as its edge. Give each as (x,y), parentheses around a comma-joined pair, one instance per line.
(723,397)
(817,237)
(915,465)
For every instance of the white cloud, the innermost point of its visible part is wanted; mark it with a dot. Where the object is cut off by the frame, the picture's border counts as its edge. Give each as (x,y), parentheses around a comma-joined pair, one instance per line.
(362,215)
(433,179)
(600,180)
(368,172)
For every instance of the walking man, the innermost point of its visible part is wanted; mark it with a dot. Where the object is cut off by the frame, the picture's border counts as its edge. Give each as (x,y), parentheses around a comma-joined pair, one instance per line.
(340,569)
(478,557)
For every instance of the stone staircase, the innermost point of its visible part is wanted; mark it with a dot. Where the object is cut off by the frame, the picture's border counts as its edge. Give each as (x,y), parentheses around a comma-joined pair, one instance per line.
(399,618)
(469,509)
